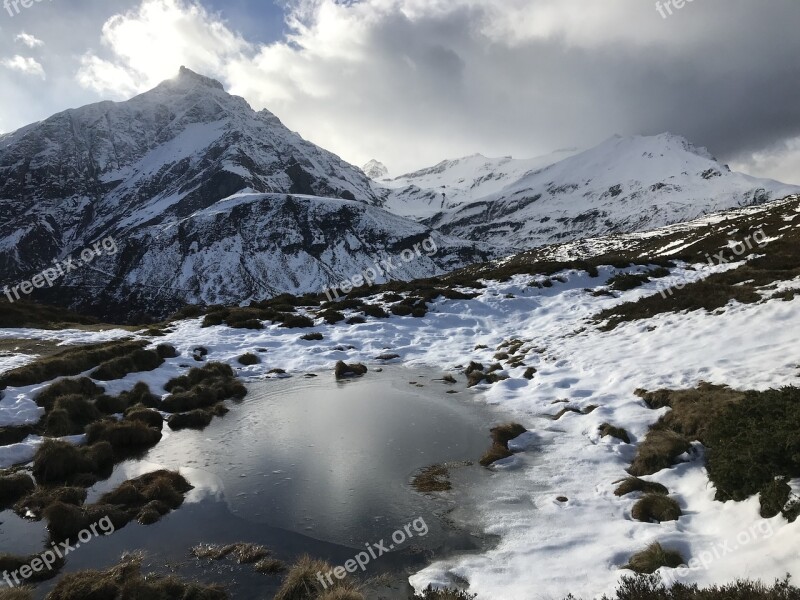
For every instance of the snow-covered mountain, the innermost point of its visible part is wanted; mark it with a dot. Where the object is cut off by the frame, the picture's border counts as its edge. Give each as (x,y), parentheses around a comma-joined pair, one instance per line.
(625,184)
(160,173)
(375,169)
(454,183)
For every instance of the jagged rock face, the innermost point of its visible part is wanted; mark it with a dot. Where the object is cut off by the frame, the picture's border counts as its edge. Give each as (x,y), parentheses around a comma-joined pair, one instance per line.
(110,168)
(254,246)
(623,185)
(153,173)
(375,170)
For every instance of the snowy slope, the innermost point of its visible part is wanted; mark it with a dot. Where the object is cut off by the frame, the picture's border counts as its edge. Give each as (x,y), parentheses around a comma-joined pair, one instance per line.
(547,548)
(453,183)
(623,185)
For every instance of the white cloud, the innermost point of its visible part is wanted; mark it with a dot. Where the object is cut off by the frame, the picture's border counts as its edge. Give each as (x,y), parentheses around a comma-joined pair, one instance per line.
(780,162)
(27,65)
(415,81)
(29,40)
(149,44)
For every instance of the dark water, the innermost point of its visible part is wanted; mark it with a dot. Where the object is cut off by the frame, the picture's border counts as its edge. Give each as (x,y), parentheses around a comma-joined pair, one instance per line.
(301,466)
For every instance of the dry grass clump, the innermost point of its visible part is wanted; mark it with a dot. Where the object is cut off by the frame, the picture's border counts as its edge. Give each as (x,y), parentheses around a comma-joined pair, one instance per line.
(297,322)
(70,416)
(270,566)
(244,553)
(138,361)
(606,429)
(656,507)
(501,436)
(634,484)
(124,436)
(344,370)
(202,388)
(653,558)
(249,359)
(375,310)
(167,351)
(33,505)
(17,593)
(126,581)
(431,479)
(10,563)
(148,416)
(301,583)
(67,387)
(13,487)
(658,451)
(312,337)
(146,499)
(66,363)
(58,462)
(196,419)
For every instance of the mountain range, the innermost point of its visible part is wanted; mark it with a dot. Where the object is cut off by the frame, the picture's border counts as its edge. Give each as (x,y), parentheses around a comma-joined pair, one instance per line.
(210,201)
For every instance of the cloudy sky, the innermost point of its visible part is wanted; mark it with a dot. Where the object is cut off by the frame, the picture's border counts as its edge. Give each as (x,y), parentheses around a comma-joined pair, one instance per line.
(411,82)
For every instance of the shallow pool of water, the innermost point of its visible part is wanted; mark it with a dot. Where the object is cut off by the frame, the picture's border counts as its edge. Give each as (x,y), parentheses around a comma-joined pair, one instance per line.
(302,466)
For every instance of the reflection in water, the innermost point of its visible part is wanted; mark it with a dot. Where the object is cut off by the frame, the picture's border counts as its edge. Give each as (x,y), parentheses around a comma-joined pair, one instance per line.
(331,460)
(300,466)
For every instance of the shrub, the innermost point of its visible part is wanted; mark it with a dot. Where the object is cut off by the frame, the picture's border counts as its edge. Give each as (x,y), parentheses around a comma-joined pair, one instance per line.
(13,487)
(66,363)
(607,429)
(374,310)
(658,451)
(634,484)
(753,442)
(249,359)
(356,321)
(332,316)
(656,507)
(401,310)
(650,587)
(627,281)
(136,362)
(653,558)
(297,322)
(312,337)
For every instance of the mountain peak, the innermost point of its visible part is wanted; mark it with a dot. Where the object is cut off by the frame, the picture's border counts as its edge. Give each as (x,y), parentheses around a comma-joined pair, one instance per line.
(189,76)
(375,169)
